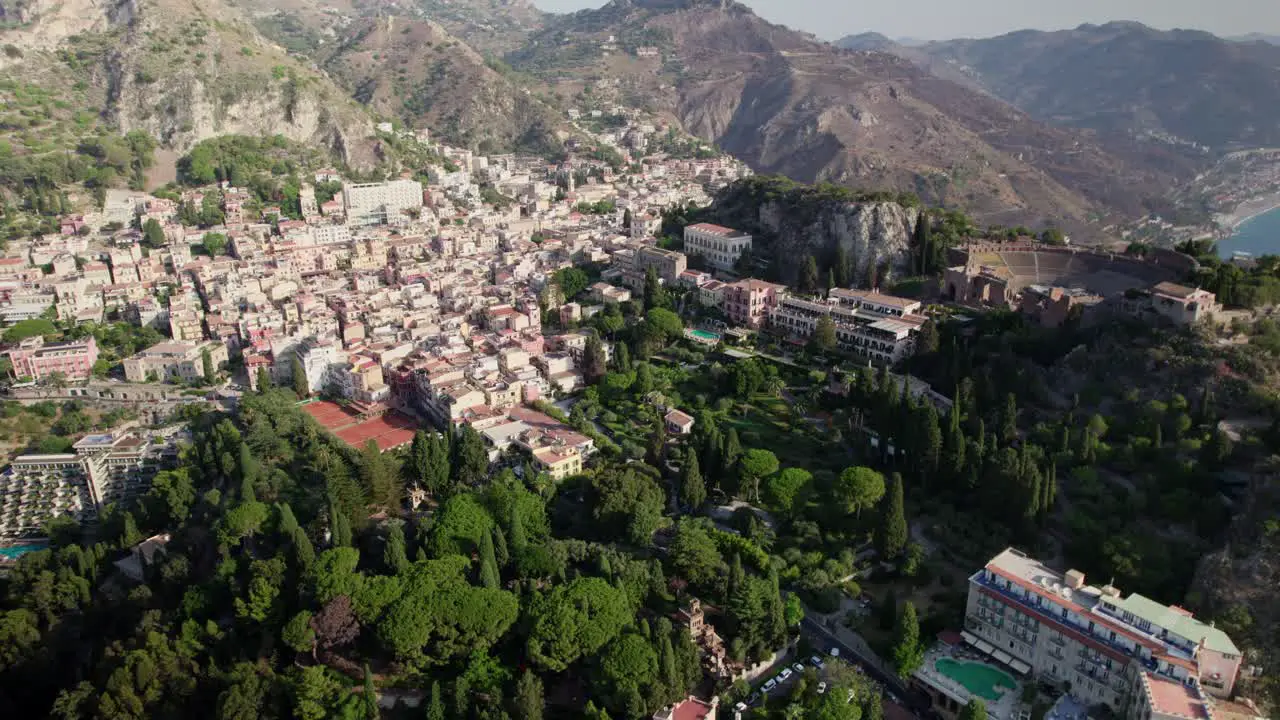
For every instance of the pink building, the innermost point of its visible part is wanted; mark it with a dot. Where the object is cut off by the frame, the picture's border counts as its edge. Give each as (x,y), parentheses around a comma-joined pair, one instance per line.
(748,302)
(37,360)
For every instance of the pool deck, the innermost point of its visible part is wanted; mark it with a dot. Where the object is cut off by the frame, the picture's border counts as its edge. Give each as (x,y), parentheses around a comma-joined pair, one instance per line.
(1005,708)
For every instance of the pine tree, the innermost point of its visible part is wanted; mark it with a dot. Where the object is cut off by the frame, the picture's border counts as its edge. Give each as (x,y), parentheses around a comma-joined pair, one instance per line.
(693,491)
(435,706)
(301,387)
(891,539)
(394,554)
(488,563)
(907,651)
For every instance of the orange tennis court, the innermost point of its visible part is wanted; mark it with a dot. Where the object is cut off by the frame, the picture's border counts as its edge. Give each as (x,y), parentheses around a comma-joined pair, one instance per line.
(390,430)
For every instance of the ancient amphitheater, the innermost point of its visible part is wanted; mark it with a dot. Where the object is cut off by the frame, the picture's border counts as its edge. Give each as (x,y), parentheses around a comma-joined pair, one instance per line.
(1099,272)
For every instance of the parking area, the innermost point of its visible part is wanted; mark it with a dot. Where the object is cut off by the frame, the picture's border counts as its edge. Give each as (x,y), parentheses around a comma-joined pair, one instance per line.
(781,682)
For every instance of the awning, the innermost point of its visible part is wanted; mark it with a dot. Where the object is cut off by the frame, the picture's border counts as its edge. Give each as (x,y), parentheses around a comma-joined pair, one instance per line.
(1020,667)
(1002,656)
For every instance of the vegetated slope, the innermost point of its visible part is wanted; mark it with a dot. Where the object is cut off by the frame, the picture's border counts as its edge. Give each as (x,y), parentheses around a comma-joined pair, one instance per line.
(179,70)
(787,103)
(415,70)
(1128,78)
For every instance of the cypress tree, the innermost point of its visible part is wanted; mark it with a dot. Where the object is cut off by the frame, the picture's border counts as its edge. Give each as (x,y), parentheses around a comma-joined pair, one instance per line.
(339,527)
(300,386)
(841,267)
(394,555)
(1050,489)
(808,283)
(500,551)
(488,563)
(435,707)
(891,539)
(518,539)
(667,664)
(461,697)
(907,651)
(303,552)
(263,380)
(730,453)
(287,522)
(693,491)
(1009,420)
(370,695)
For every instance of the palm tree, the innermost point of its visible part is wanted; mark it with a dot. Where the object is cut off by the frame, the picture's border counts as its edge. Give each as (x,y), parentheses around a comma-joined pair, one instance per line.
(775,385)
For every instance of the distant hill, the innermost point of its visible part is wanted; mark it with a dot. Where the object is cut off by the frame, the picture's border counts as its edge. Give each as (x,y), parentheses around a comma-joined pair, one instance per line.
(1257,37)
(790,104)
(1126,78)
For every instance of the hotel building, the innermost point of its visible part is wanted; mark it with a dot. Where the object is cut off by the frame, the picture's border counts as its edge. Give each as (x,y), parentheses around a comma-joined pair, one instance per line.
(721,246)
(34,358)
(1139,658)
(880,328)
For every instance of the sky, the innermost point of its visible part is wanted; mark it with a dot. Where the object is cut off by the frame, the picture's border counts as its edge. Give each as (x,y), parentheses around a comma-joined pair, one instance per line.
(946,19)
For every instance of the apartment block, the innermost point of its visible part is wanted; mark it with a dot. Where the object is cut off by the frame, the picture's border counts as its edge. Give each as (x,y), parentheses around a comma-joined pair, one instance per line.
(381,203)
(103,468)
(173,361)
(1138,657)
(668,264)
(34,358)
(721,246)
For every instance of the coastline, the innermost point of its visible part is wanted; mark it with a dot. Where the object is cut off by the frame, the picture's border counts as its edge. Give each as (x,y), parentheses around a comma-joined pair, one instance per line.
(1248,210)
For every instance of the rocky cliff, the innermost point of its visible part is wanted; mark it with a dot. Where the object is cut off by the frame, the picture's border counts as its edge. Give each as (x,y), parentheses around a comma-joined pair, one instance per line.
(790,222)
(182,71)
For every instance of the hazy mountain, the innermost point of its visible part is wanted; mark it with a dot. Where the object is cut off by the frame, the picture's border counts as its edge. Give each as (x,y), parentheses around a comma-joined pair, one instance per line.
(1128,78)
(1257,37)
(787,103)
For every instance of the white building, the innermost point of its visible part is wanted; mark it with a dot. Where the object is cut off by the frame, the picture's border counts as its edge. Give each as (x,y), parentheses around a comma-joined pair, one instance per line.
(380,203)
(721,246)
(880,328)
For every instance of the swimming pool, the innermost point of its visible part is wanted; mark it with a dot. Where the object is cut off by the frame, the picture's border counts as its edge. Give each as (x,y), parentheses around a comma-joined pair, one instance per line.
(978,678)
(705,335)
(13,552)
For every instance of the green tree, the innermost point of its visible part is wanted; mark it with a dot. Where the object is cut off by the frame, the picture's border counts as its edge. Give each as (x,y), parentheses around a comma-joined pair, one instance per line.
(694,553)
(594,361)
(858,488)
(152,234)
(575,620)
(315,693)
(381,485)
(927,339)
(435,705)
(824,335)
(301,387)
(206,362)
(907,653)
(471,458)
(1009,420)
(891,537)
(754,466)
(394,555)
(297,633)
(693,491)
(787,488)
(975,709)
(263,379)
(528,702)
(655,294)
(214,243)
(808,282)
(488,562)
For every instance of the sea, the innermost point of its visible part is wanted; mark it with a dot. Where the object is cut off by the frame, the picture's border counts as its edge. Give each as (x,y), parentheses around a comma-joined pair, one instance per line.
(1257,236)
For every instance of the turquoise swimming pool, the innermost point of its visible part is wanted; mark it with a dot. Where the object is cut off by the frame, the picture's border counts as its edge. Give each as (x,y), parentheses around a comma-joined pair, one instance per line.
(13,552)
(705,335)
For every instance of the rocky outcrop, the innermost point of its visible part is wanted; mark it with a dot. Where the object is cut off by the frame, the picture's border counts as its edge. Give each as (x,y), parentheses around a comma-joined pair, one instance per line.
(45,24)
(791,221)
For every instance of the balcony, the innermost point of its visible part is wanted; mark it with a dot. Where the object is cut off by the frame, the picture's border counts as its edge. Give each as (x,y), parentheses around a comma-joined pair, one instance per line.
(1040,613)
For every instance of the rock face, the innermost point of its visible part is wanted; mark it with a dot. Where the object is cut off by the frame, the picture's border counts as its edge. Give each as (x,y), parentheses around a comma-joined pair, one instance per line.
(790,222)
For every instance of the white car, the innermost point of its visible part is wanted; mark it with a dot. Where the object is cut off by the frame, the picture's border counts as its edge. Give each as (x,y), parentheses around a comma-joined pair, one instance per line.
(740,707)
(770,683)
(817,662)
(798,667)
(786,673)
(835,652)
(822,687)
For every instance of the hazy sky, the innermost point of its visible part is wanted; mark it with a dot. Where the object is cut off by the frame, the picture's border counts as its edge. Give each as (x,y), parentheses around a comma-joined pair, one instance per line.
(942,19)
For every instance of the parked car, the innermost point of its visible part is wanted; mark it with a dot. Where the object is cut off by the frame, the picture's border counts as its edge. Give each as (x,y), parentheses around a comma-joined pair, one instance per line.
(755,698)
(782,676)
(835,652)
(822,687)
(817,662)
(798,667)
(768,685)
(740,707)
